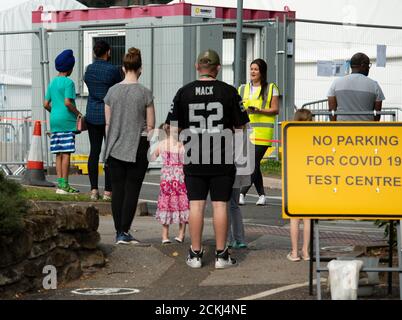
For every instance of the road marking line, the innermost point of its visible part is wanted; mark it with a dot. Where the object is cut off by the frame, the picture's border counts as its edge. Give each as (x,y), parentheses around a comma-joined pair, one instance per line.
(151,183)
(278,290)
(261,225)
(150,201)
(269,197)
(267,204)
(251,195)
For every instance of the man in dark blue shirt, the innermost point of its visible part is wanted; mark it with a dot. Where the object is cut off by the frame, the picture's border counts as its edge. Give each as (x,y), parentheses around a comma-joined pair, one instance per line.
(99,77)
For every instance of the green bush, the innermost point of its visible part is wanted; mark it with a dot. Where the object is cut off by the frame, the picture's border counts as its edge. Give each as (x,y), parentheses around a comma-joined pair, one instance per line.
(387,225)
(12,206)
(271,167)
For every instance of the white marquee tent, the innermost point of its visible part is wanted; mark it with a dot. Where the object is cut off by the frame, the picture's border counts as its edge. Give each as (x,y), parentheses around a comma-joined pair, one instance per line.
(15,50)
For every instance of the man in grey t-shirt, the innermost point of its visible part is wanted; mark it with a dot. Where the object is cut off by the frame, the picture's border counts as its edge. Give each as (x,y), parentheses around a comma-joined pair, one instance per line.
(356,92)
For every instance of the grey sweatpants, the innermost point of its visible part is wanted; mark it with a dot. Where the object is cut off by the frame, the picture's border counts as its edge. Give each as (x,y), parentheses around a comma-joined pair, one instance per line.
(235,219)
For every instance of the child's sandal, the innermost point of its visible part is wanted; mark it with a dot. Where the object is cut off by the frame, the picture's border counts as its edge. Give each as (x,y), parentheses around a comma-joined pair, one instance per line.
(179,240)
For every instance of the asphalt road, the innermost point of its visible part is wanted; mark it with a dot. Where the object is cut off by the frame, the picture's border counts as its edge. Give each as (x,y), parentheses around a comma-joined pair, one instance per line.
(159,272)
(269,215)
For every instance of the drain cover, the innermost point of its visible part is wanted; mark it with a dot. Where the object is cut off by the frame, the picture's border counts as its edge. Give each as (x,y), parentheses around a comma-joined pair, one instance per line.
(105,291)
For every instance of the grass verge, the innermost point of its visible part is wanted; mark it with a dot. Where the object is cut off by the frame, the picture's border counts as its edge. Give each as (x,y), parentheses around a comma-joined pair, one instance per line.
(49,194)
(271,168)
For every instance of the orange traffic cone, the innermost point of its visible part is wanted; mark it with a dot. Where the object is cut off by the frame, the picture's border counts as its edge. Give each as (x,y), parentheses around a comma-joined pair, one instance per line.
(35,174)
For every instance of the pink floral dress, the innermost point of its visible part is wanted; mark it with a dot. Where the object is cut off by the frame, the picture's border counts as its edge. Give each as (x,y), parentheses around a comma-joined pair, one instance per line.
(173,205)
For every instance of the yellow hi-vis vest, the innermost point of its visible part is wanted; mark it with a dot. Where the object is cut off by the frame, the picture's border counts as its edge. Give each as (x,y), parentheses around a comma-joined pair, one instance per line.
(262,124)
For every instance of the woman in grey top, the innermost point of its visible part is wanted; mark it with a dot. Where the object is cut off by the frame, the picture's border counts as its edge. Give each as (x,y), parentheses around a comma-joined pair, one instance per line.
(130,117)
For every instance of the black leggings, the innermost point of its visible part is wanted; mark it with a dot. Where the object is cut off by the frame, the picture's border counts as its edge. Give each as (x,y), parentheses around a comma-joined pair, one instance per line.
(127,178)
(256,177)
(96,135)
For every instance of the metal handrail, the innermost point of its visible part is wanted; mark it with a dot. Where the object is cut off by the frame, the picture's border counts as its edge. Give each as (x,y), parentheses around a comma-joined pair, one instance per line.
(15,110)
(352,113)
(314,102)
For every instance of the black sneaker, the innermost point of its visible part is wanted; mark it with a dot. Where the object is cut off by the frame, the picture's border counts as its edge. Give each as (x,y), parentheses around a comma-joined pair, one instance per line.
(223,260)
(194,259)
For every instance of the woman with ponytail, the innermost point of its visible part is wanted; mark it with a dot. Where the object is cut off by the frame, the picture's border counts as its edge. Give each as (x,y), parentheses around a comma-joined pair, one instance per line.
(130,118)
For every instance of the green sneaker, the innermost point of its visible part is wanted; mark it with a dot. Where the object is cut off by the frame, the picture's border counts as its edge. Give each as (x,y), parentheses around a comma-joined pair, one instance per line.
(61,186)
(70,189)
(239,245)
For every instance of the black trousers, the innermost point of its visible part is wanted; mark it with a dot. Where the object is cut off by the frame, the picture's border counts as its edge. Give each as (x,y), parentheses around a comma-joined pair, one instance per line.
(96,135)
(256,177)
(127,178)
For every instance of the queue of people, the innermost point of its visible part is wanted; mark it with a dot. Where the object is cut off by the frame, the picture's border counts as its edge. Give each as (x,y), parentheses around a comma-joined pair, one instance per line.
(121,112)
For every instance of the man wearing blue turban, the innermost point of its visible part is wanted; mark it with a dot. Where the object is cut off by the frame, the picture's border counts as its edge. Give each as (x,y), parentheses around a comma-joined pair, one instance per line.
(60,102)
(65,61)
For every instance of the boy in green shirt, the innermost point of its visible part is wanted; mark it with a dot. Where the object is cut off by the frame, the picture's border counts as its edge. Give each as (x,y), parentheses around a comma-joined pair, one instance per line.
(59,101)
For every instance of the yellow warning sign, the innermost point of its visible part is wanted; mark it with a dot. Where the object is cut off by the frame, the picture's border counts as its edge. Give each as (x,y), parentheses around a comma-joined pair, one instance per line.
(342,170)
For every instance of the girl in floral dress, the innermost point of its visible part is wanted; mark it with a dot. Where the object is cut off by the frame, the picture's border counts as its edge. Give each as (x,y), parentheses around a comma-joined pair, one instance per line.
(173,205)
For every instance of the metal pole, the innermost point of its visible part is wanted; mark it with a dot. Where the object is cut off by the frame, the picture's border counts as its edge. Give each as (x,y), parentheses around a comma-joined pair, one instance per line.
(277,51)
(337,23)
(46,56)
(277,130)
(47,74)
(164,26)
(317,260)
(26,133)
(239,37)
(311,262)
(399,247)
(284,70)
(277,76)
(42,73)
(390,255)
(152,60)
(44,85)
(45,81)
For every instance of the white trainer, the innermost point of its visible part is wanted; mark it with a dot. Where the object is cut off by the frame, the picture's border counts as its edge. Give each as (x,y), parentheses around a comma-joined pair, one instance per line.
(261,201)
(194,260)
(223,260)
(242,199)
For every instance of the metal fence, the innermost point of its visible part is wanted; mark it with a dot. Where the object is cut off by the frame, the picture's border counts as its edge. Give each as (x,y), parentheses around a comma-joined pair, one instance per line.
(166,49)
(322,43)
(15,133)
(312,45)
(391,115)
(319,106)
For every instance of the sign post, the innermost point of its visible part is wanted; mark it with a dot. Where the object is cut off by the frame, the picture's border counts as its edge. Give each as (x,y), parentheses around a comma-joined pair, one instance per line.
(343,170)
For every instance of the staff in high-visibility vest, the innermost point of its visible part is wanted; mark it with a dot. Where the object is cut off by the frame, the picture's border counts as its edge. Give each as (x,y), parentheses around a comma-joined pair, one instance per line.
(261,101)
